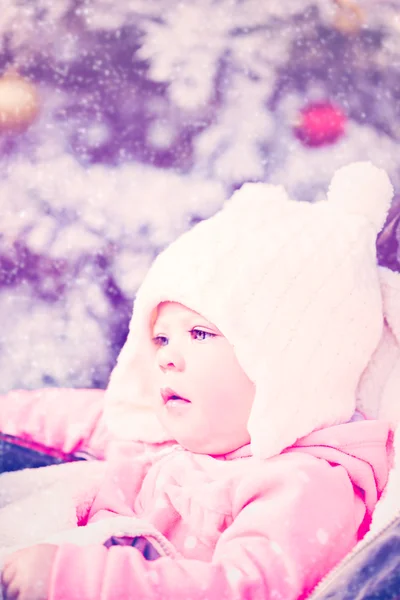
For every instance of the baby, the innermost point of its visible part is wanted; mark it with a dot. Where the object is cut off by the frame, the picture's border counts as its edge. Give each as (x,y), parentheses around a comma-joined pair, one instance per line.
(238,464)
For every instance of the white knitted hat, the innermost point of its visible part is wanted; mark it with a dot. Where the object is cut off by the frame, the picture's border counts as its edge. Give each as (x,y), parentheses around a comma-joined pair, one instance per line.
(293,286)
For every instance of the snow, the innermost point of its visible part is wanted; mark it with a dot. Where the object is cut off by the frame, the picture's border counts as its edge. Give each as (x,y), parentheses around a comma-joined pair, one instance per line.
(322,536)
(234,576)
(151,113)
(275,547)
(190,542)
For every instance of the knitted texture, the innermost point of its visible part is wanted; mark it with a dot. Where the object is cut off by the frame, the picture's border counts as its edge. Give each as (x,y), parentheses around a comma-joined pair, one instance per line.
(378,394)
(293,286)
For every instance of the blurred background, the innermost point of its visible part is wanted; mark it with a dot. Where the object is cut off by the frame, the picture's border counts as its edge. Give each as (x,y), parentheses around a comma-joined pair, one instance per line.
(124,122)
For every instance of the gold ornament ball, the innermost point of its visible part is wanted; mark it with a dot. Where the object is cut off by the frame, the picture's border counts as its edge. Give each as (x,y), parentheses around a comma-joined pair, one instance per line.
(349,18)
(19,103)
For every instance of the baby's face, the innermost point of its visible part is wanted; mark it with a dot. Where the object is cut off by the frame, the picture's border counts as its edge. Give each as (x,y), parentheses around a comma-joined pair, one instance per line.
(205,396)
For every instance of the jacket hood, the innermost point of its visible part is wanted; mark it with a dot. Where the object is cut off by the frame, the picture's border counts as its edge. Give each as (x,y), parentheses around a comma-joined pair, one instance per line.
(378,389)
(361,448)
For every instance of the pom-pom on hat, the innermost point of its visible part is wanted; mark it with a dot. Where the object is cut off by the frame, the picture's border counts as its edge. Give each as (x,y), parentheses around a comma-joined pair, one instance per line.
(293,286)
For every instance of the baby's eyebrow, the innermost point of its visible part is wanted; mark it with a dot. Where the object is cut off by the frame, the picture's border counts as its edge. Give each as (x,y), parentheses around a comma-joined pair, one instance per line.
(186,322)
(157,329)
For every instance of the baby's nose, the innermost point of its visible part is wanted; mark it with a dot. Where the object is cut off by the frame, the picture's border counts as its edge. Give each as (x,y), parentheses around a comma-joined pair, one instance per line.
(170,359)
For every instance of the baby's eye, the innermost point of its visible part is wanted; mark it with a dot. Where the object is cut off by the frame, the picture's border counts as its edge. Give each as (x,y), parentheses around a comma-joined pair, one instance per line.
(201,334)
(160,340)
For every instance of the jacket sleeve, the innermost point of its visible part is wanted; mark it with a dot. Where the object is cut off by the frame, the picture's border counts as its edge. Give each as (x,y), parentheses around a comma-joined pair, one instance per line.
(68,420)
(289,528)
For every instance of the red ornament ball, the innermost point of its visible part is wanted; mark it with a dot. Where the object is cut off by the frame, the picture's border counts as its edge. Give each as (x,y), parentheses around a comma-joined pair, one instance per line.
(320,124)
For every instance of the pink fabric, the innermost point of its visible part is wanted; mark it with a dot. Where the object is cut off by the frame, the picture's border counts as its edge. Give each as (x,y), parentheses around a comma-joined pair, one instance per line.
(64,419)
(241,527)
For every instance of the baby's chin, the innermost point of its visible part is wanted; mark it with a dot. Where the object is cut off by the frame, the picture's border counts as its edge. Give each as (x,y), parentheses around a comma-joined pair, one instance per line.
(204,445)
(198,438)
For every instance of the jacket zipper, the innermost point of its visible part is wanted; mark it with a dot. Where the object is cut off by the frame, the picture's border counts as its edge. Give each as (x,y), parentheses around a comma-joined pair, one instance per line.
(335,572)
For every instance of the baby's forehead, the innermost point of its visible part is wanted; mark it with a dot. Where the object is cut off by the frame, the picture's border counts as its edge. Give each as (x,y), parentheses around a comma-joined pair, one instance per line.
(170,313)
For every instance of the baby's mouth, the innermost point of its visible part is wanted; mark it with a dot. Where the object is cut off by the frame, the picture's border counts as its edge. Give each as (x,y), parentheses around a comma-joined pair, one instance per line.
(169,395)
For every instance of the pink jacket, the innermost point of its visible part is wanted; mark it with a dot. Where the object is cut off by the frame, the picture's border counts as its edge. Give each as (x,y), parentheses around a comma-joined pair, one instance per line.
(230,527)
